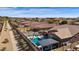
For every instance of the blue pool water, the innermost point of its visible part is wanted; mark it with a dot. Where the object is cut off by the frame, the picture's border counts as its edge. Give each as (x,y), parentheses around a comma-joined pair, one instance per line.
(35,40)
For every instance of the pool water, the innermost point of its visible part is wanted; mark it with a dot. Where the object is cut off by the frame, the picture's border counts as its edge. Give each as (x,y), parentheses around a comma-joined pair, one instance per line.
(36,39)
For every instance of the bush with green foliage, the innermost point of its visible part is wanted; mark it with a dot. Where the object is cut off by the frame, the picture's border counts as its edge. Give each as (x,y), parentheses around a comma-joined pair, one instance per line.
(63,22)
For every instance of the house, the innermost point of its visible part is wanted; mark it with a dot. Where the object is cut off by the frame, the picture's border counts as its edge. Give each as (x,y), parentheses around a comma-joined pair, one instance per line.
(41,25)
(65,32)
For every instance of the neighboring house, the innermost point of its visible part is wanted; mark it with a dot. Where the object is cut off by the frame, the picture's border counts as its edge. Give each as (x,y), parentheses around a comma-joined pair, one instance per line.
(76,23)
(70,22)
(36,25)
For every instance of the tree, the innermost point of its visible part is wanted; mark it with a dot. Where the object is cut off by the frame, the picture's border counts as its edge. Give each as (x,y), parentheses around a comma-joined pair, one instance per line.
(5,18)
(63,22)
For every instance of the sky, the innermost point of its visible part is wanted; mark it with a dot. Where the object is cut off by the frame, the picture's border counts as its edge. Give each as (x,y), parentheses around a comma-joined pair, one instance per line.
(39,11)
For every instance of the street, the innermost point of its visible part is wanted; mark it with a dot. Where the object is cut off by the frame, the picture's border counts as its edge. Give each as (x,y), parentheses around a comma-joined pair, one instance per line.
(7,40)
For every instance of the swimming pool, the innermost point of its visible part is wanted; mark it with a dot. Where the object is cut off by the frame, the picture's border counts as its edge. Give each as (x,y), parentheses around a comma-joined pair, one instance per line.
(45,42)
(36,39)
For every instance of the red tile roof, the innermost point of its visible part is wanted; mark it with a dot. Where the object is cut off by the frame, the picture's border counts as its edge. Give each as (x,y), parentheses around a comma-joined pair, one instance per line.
(38,24)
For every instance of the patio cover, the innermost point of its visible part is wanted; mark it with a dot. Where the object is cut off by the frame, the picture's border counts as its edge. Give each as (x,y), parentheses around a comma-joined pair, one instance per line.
(46,42)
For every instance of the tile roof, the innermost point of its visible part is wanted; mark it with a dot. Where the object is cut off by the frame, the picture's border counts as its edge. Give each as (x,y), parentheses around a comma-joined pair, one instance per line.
(63,33)
(66,31)
(41,25)
(74,38)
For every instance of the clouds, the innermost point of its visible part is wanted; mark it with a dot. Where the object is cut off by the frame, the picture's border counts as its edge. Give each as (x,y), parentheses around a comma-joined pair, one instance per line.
(39,12)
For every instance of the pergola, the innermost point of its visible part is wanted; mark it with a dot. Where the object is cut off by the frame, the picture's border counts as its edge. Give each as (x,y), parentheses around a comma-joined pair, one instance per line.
(48,42)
